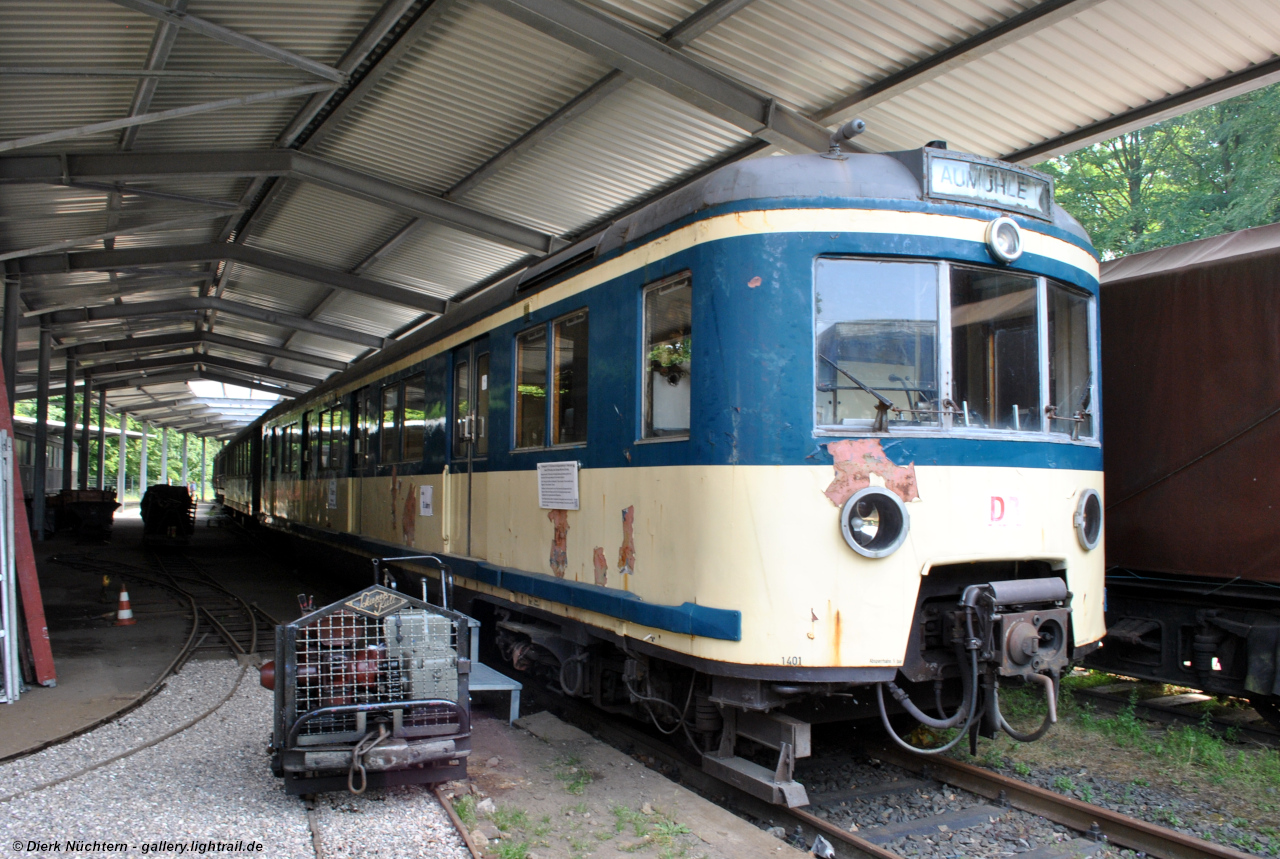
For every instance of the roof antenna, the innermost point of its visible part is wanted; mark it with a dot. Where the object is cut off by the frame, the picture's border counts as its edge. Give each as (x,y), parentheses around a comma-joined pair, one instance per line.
(848,131)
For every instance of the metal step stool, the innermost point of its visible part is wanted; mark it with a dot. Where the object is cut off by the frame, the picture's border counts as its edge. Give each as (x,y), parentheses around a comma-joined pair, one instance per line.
(486,679)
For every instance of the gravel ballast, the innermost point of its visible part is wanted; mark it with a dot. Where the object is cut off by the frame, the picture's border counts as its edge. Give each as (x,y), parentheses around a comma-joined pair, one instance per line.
(211,782)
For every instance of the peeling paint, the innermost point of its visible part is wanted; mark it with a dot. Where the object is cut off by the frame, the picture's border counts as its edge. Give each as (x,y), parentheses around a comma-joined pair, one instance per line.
(602,566)
(855,460)
(559,541)
(627,553)
(755,281)
(393,489)
(409,517)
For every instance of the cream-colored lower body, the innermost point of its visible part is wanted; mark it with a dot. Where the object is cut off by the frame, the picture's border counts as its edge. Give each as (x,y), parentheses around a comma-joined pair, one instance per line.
(761,540)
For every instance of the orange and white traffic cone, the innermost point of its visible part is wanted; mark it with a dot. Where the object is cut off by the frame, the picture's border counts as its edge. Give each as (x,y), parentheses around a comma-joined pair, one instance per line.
(124,614)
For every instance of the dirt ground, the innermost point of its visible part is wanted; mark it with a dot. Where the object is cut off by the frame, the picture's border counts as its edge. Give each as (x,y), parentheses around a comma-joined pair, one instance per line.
(547,790)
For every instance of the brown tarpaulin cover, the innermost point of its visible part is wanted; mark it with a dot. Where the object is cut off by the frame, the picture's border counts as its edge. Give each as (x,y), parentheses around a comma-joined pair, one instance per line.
(1191,407)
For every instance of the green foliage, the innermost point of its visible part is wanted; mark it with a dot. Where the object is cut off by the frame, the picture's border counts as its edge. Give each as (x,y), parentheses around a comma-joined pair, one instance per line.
(133,447)
(513,849)
(466,810)
(1064,784)
(1204,173)
(508,817)
(575,776)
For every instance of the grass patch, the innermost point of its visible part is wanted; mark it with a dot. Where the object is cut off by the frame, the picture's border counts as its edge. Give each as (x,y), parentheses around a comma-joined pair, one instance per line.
(513,850)
(466,810)
(573,774)
(507,818)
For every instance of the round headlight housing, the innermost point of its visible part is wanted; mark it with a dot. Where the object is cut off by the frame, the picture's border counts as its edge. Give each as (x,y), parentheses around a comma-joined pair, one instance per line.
(1088,519)
(1004,239)
(874,522)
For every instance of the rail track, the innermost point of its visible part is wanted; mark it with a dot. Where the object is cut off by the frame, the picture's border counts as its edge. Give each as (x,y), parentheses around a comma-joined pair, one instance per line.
(993,797)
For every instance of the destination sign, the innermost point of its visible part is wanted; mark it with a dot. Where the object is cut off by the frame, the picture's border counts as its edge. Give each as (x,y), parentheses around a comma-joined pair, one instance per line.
(990,184)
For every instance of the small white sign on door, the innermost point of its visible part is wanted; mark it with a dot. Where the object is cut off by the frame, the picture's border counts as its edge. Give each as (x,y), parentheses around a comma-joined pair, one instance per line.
(558,485)
(425,495)
(332,503)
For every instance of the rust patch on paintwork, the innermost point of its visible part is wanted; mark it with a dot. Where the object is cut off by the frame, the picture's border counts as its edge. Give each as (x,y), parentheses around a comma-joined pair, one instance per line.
(601,565)
(627,552)
(835,644)
(559,541)
(409,518)
(856,460)
(395,486)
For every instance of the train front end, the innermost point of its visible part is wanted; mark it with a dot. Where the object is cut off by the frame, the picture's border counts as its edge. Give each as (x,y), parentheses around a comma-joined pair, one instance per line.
(936,530)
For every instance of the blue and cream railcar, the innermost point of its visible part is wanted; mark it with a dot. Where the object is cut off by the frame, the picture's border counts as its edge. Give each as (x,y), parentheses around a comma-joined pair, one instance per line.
(809,423)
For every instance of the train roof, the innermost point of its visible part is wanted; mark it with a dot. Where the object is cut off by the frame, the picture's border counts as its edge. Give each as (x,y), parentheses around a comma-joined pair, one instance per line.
(1243,243)
(815,178)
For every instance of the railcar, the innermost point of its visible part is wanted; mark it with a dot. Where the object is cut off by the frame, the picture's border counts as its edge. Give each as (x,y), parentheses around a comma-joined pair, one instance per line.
(1192,397)
(810,438)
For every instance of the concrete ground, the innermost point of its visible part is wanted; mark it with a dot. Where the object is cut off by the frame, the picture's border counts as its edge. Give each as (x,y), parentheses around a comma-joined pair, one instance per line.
(103,668)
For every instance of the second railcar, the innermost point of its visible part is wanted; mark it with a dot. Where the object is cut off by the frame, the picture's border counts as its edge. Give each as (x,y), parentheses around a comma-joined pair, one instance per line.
(1193,396)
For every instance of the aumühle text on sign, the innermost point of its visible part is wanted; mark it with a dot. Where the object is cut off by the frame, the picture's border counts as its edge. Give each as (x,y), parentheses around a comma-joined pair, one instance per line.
(990,184)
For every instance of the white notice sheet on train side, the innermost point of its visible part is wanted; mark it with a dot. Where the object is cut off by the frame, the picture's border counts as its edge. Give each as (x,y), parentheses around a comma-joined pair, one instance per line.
(558,485)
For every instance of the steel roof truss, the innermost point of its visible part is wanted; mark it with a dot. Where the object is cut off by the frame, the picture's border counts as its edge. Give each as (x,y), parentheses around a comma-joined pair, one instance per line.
(231,37)
(601,36)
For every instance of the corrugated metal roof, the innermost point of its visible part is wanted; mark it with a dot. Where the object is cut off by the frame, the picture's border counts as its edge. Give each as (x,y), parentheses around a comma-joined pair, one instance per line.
(474,82)
(471,85)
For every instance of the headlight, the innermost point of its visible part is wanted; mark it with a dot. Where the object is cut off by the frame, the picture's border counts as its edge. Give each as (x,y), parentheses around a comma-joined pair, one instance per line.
(1088,519)
(874,522)
(1004,239)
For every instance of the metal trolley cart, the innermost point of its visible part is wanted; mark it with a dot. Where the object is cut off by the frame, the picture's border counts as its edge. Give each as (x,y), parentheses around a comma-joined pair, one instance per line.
(371,691)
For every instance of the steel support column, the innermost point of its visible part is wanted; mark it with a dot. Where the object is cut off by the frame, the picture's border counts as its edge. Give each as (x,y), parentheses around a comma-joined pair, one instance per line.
(86,415)
(102,440)
(122,466)
(69,425)
(39,473)
(204,454)
(185,481)
(164,455)
(142,461)
(9,353)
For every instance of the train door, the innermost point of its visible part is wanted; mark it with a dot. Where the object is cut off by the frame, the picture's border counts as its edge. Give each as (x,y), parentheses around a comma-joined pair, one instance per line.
(355,438)
(270,446)
(469,451)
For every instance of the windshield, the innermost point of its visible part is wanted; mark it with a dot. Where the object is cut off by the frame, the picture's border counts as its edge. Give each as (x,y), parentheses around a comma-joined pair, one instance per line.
(877,333)
(1014,357)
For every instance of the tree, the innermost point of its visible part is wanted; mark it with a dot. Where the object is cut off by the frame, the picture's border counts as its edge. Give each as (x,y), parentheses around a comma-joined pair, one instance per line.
(1204,173)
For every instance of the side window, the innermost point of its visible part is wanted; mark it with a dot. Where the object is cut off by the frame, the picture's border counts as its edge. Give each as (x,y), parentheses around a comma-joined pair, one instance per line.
(461,406)
(324,428)
(295,448)
(389,432)
(415,417)
(569,381)
(338,439)
(531,387)
(667,366)
(1070,375)
(482,405)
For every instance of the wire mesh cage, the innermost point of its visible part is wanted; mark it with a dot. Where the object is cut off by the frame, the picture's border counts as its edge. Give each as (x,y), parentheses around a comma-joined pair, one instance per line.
(372,690)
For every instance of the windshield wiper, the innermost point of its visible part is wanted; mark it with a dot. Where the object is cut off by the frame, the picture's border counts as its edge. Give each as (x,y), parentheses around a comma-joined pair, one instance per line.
(881,423)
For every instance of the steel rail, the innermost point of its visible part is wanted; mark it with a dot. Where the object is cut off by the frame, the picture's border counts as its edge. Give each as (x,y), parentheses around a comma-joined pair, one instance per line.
(188,647)
(1082,816)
